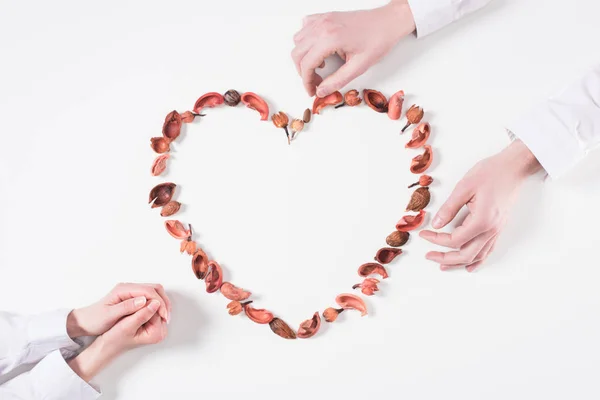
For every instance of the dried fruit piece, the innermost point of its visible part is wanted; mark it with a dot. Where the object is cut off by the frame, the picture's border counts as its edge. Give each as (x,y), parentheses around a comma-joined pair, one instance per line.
(253,101)
(306,116)
(414,115)
(233,292)
(310,327)
(352,302)
(397,239)
(297,125)
(422,162)
(161,194)
(395,105)
(281,120)
(282,329)
(410,222)
(210,100)
(352,98)
(159,145)
(170,208)
(420,136)
(419,200)
(372,268)
(200,264)
(214,277)
(188,246)
(258,315)
(172,126)
(368,286)
(330,314)
(376,100)
(235,307)
(329,100)
(159,164)
(176,229)
(424,180)
(232,98)
(386,255)
(189,116)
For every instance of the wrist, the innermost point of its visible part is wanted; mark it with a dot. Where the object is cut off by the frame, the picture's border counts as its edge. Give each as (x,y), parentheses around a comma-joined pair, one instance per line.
(402,18)
(74,328)
(93,359)
(522,159)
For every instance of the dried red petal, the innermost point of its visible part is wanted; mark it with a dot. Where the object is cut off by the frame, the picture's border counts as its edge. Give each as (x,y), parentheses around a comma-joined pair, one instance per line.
(176,229)
(387,254)
(255,102)
(233,292)
(214,277)
(352,302)
(161,194)
(410,222)
(172,126)
(211,99)
(368,286)
(279,327)
(258,315)
(159,164)
(200,264)
(395,105)
(376,100)
(310,327)
(170,208)
(420,136)
(329,100)
(422,162)
(372,268)
(159,145)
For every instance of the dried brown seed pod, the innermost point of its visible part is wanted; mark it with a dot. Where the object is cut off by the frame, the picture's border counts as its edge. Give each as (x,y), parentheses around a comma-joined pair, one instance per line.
(352,98)
(233,292)
(352,302)
(211,99)
(200,264)
(172,126)
(177,230)
(297,125)
(255,102)
(235,307)
(310,327)
(282,329)
(395,105)
(329,100)
(414,115)
(159,164)
(281,120)
(188,245)
(306,116)
(376,100)
(368,287)
(188,117)
(387,254)
(330,314)
(397,239)
(170,208)
(258,315)
(372,268)
(410,222)
(424,180)
(232,98)
(161,194)
(420,136)
(419,200)
(422,162)
(160,145)
(214,277)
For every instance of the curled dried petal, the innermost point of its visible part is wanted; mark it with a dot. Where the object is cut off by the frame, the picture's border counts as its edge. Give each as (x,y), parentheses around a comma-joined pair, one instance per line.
(387,254)
(352,98)
(376,100)
(420,136)
(255,102)
(210,100)
(177,230)
(397,238)
(258,315)
(172,126)
(352,302)
(233,292)
(413,116)
(235,307)
(419,200)
(232,98)
(306,116)
(368,286)
(282,329)
(422,162)
(170,208)
(395,105)
(372,268)
(200,264)
(310,327)
(159,164)
(330,314)
(214,277)
(161,194)
(159,145)
(329,100)
(410,222)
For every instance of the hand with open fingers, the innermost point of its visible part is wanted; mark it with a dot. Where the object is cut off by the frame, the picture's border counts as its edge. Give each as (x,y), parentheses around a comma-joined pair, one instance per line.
(125,299)
(360,38)
(489,191)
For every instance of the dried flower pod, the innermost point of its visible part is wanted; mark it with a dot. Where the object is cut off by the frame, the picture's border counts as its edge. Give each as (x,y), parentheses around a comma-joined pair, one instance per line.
(232,98)
(233,292)
(397,239)
(159,164)
(160,145)
(214,277)
(410,222)
(419,200)
(188,245)
(306,116)
(386,255)
(161,194)
(200,264)
(414,115)
(368,286)
(422,162)
(420,136)
(210,100)
(235,307)
(376,100)
(253,101)
(329,100)
(188,117)
(352,98)
(424,180)
(395,105)
(176,229)
(258,315)
(282,329)
(330,314)
(352,302)
(170,208)
(297,125)
(310,327)
(372,268)
(172,126)
(281,120)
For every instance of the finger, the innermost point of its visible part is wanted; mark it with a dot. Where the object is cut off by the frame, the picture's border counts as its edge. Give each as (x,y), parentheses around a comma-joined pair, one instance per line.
(126,307)
(126,291)
(135,321)
(485,252)
(353,68)
(315,56)
(163,294)
(474,266)
(467,253)
(307,27)
(460,196)
(299,51)
(153,331)
(471,228)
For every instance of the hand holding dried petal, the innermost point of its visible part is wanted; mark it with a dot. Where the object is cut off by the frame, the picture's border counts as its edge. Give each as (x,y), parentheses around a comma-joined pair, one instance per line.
(282,329)
(368,286)
(410,222)
(387,254)
(397,239)
(161,194)
(419,200)
(372,268)
(233,292)
(310,327)
(352,302)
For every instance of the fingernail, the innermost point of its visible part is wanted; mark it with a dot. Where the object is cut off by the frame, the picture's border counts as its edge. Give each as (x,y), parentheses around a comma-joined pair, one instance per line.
(322,92)
(437,222)
(139,301)
(154,305)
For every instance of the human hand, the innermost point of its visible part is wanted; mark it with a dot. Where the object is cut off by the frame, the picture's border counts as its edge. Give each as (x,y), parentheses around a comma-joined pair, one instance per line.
(123,300)
(489,191)
(361,38)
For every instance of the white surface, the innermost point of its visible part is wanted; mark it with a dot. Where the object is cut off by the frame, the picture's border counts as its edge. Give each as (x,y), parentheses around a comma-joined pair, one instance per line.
(84,87)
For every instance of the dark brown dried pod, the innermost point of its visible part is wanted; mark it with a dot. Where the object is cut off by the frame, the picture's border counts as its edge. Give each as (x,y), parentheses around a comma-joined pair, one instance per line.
(200,264)
(282,329)
(307,115)
(397,239)
(159,145)
(387,254)
(376,100)
(214,277)
(172,126)
(310,327)
(372,268)
(161,194)
(419,200)
(232,98)
(170,208)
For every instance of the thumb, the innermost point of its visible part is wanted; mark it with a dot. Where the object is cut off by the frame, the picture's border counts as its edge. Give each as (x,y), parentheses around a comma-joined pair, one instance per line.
(127,307)
(459,197)
(138,319)
(353,68)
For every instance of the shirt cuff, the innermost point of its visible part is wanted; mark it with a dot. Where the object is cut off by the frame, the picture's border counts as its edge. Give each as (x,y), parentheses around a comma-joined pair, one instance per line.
(49,332)
(432,15)
(53,379)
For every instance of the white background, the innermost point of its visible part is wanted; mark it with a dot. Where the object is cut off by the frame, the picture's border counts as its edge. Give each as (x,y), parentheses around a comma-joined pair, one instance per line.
(83,87)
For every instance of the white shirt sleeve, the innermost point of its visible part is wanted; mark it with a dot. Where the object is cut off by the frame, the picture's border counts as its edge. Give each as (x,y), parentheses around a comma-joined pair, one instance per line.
(564,129)
(432,15)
